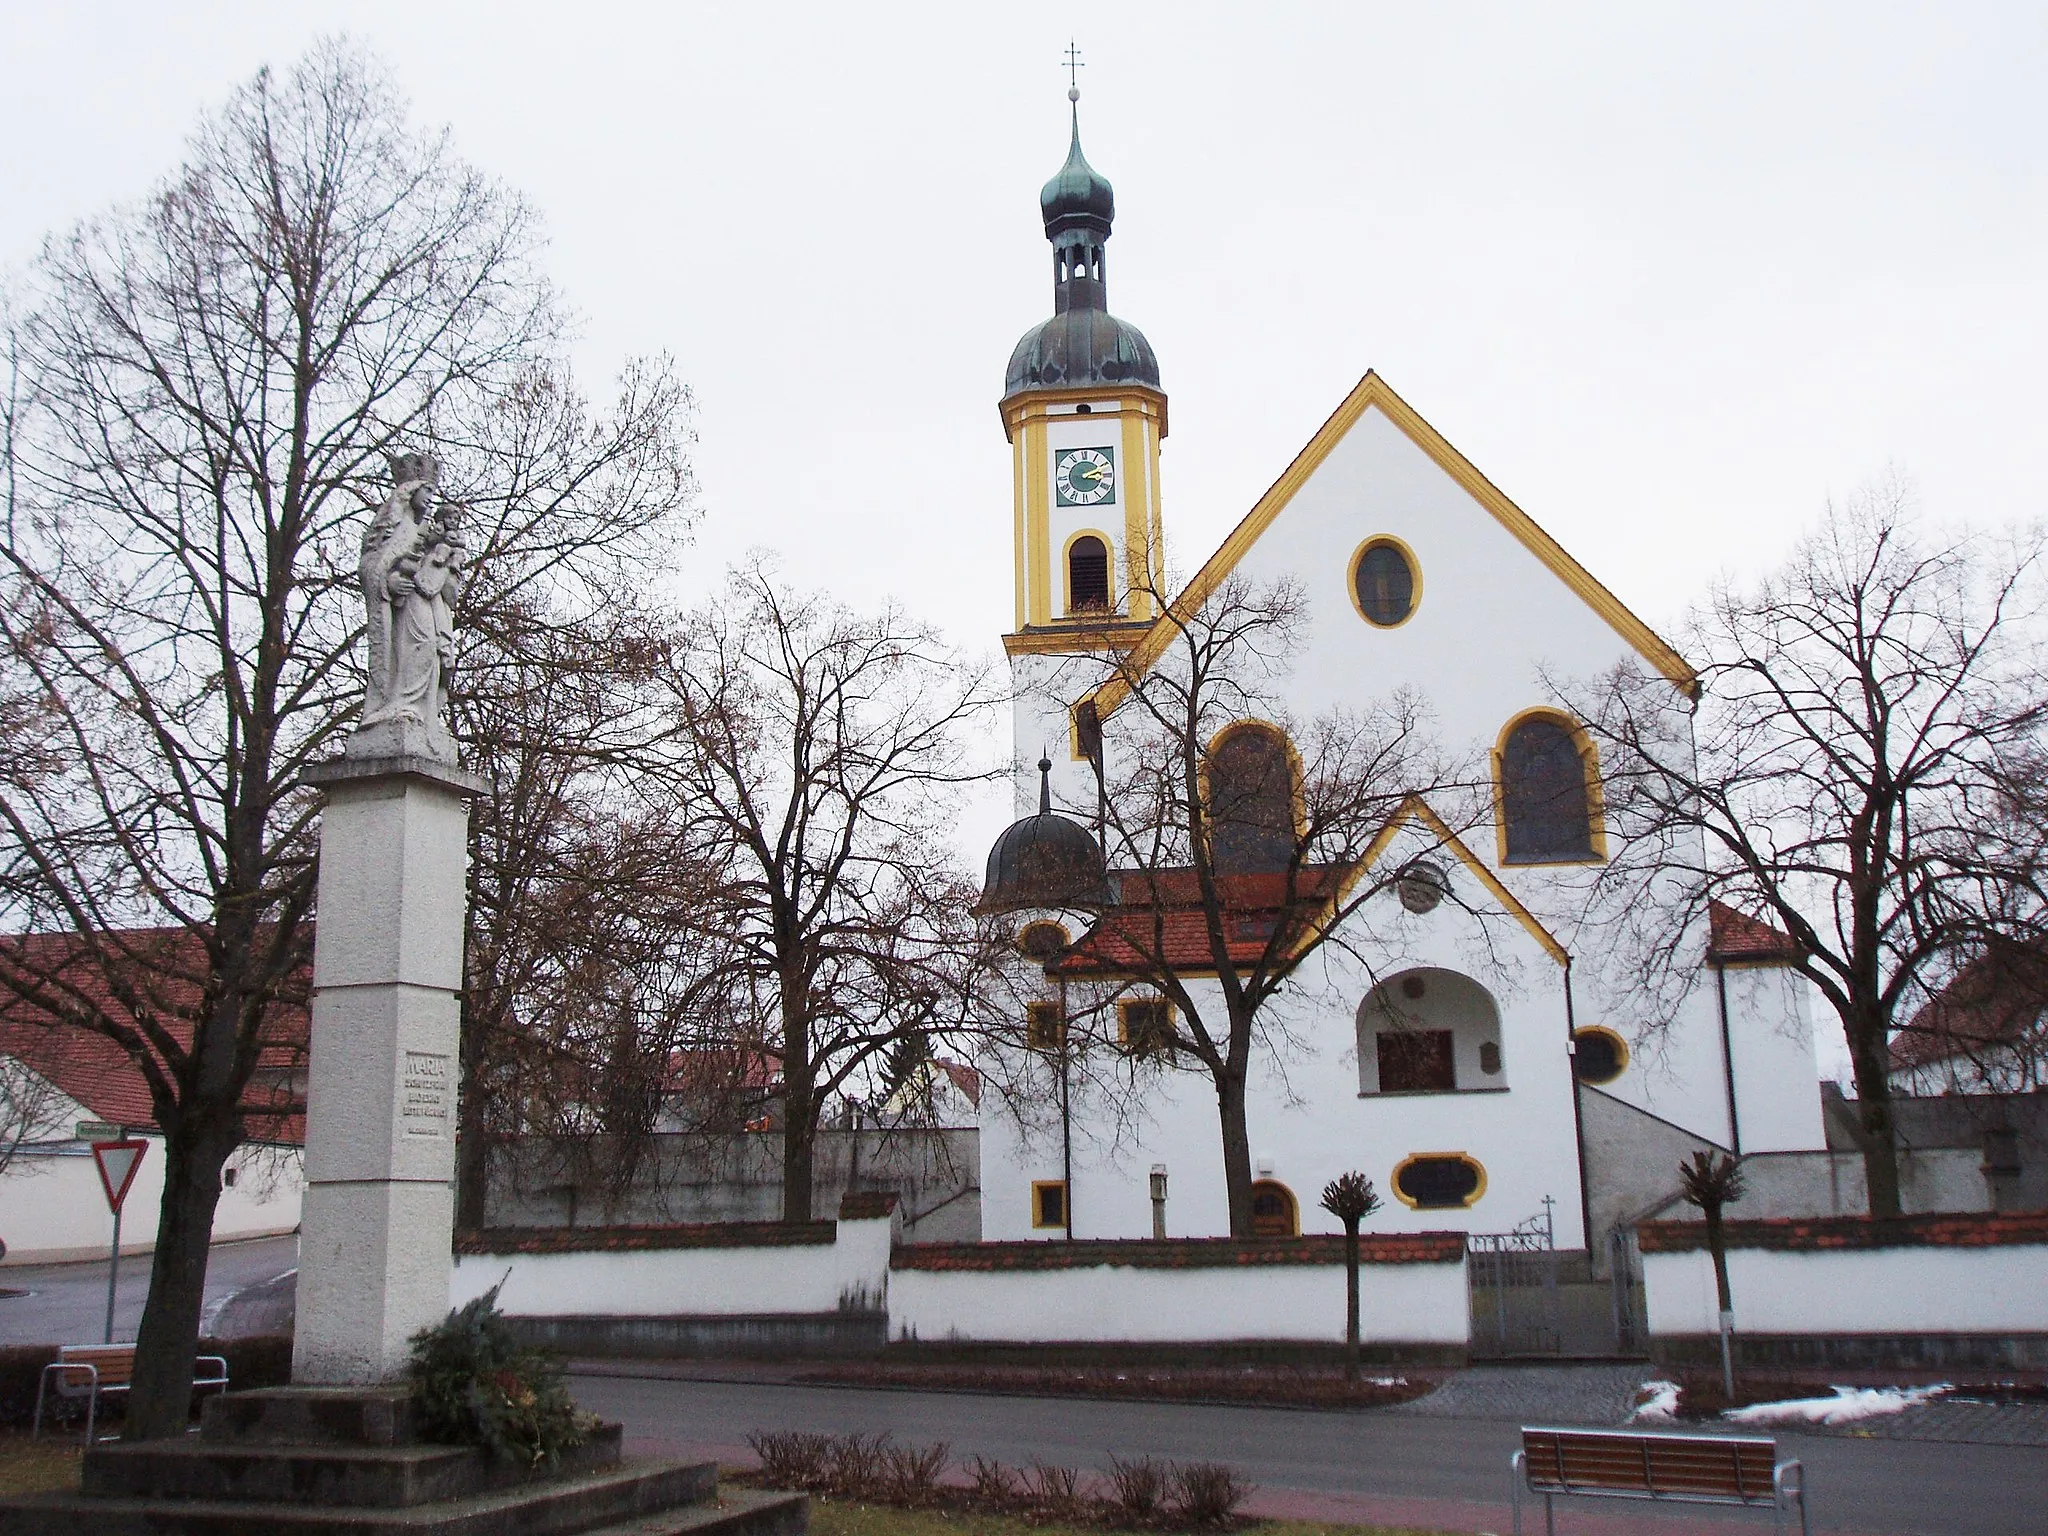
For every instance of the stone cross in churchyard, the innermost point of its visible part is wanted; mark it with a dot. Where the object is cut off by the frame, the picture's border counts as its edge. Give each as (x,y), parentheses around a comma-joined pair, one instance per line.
(375,1243)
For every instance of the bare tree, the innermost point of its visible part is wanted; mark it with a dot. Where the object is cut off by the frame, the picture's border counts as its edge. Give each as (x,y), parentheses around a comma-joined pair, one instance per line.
(31,1108)
(1849,775)
(818,756)
(208,386)
(1241,852)
(1713,1181)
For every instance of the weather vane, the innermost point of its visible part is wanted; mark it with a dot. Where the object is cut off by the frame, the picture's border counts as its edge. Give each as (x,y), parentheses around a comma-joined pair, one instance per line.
(1074,68)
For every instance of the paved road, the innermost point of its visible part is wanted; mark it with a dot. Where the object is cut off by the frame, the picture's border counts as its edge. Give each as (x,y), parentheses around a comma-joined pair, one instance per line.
(67,1303)
(1440,1473)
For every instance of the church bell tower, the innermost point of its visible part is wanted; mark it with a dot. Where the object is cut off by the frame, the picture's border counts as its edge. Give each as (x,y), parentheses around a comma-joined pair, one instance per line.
(1084,414)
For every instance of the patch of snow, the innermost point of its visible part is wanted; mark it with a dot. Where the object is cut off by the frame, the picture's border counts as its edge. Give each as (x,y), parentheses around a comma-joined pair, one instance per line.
(1656,1403)
(1847,1406)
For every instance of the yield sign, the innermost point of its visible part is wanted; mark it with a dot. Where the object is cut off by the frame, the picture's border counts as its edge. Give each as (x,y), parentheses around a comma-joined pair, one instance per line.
(117,1162)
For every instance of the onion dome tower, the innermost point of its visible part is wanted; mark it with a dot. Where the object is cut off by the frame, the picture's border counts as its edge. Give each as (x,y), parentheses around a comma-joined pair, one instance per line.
(1084,413)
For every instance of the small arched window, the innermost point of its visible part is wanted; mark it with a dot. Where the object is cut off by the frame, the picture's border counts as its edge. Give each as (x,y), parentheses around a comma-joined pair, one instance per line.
(1546,796)
(1251,801)
(1274,1213)
(1087,575)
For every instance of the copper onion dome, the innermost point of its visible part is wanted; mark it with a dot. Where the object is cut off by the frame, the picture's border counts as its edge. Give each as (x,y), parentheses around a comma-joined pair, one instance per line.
(1047,861)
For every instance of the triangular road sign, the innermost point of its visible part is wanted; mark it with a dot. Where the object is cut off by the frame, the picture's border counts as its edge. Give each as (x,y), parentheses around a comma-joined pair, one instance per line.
(117,1162)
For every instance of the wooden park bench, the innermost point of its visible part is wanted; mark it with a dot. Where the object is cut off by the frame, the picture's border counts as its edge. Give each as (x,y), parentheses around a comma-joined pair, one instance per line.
(1641,1464)
(94,1371)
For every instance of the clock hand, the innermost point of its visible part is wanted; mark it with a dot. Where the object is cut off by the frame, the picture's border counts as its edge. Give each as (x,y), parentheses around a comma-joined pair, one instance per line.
(1091,474)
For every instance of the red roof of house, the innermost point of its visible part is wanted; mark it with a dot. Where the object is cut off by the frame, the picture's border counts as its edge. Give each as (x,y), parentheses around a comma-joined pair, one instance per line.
(1996,999)
(167,964)
(1731,936)
(1160,924)
(964,1077)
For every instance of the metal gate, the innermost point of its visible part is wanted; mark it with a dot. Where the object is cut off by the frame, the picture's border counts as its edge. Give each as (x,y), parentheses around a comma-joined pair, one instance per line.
(1516,1308)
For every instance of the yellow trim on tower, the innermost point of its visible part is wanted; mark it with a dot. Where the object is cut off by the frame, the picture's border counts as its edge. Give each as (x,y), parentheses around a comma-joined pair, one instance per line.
(1037,497)
(1036,404)
(1017,495)
(1137,497)
(1596,800)
(1373,391)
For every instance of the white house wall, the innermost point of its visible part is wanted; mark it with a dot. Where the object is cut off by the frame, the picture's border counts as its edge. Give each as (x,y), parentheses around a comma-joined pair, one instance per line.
(53,1209)
(1777,1091)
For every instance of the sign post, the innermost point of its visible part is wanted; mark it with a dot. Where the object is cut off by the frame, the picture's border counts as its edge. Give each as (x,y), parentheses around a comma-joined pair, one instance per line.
(117,1162)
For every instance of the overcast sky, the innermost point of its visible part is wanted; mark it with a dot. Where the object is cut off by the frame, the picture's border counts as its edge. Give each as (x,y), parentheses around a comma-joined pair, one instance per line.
(1671,276)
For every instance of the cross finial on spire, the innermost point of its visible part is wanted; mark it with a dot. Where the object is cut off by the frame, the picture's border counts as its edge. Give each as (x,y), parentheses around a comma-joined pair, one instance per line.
(1074,68)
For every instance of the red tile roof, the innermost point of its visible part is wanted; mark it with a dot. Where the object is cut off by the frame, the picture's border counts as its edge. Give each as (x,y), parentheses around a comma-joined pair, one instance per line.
(1159,922)
(168,965)
(1996,999)
(1182,1252)
(1733,937)
(1956,1229)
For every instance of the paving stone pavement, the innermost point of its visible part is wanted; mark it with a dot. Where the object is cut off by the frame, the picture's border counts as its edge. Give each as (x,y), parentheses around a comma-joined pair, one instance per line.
(1957,1422)
(1536,1394)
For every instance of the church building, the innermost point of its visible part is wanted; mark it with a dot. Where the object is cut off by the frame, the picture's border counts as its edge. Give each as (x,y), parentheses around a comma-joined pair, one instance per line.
(1455,1035)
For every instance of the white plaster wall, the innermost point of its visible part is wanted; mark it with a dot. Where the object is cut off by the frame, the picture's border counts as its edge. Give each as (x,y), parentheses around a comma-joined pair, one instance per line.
(1875,1290)
(1307,1118)
(692,1282)
(1404,1303)
(53,1210)
(1777,1080)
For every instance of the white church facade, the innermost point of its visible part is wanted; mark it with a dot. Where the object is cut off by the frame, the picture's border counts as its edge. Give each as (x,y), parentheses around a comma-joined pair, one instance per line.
(1465,1054)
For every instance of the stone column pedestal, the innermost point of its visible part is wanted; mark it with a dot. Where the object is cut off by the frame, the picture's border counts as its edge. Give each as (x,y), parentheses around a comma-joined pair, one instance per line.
(374,1244)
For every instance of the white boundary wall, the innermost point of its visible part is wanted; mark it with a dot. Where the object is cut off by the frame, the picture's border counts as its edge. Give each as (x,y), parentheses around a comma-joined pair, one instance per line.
(1919,1289)
(1419,1303)
(851,1272)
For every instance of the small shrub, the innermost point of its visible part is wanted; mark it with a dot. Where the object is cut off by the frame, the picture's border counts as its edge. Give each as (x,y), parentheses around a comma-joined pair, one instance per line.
(995,1485)
(912,1472)
(1055,1491)
(791,1458)
(856,1466)
(1137,1489)
(1206,1493)
(478,1385)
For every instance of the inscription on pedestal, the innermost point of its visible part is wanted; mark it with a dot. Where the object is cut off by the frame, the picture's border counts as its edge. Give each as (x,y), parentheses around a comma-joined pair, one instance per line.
(424,1101)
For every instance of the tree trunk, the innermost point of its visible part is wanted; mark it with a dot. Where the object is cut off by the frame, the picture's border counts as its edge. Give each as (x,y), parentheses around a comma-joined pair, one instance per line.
(1237,1154)
(472,1141)
(1867,1053)
(160,1401)
(797,1144)
(1351,1346)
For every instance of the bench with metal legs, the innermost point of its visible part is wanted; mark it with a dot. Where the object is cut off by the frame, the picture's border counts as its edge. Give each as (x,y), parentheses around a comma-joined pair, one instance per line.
(94,1371)
(1741,1470)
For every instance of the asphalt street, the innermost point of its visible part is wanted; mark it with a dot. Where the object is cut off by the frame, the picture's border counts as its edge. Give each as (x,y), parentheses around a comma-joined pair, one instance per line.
(1449,1474)
(67,1303)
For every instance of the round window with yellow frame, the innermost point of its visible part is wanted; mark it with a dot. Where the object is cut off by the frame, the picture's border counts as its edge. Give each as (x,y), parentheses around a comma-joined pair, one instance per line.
(1386,582)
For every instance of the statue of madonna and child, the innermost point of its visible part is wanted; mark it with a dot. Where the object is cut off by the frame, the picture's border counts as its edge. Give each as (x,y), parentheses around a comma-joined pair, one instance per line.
(414,567)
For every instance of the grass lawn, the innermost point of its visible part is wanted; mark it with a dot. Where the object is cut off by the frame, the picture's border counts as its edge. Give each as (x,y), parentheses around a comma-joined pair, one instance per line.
(831,1517)
(38,1466)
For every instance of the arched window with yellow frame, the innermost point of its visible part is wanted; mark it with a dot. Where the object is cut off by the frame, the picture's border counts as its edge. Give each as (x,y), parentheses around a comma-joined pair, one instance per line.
(1547,791)
(1089,587)
(1252,783)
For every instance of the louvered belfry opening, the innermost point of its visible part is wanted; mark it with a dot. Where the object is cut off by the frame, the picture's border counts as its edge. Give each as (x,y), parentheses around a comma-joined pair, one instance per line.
(1088,575)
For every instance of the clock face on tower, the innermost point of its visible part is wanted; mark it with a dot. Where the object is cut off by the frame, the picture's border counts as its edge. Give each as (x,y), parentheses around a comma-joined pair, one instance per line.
(1085,476)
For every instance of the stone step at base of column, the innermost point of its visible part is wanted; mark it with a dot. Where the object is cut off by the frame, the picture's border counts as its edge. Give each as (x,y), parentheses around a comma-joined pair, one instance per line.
(632,1492)
(345,1476)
